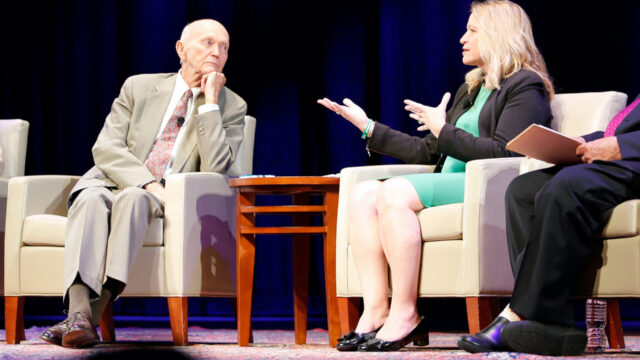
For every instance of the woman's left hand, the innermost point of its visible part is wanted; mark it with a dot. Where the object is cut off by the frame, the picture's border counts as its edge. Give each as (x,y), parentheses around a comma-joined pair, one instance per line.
(431,118)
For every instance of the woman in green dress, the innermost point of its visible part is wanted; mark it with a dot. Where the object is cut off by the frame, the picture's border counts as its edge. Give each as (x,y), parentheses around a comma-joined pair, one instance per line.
(508,90)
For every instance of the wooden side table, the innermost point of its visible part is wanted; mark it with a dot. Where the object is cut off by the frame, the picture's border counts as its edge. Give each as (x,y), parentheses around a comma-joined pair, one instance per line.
(300,187)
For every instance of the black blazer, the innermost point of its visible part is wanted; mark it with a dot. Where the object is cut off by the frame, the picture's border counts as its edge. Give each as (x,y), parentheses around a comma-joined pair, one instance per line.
(521,101)
(628,134)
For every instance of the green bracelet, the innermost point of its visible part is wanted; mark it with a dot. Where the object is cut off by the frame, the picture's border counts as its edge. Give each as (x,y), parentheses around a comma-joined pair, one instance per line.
(367,128)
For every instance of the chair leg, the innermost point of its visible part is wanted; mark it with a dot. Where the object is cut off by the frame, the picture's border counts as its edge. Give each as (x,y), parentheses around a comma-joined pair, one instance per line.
(480,312)
(245,262)
(13,318)
(107,327)
(349,308)
(301,249)
(614,325)
(178,315)
(234,306)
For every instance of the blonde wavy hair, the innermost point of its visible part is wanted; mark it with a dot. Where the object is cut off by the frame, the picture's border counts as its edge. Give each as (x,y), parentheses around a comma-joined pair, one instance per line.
(506,45)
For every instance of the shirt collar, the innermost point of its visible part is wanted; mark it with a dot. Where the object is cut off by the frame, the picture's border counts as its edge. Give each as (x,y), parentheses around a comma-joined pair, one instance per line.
(181,86)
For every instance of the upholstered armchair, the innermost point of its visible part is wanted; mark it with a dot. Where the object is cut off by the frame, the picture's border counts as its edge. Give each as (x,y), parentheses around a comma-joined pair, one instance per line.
(464,250)
(191,252)
(13,151)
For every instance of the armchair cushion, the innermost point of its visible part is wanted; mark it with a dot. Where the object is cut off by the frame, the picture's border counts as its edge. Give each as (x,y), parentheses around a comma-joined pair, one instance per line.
(623,221)
(49,230)
(44,230)
(441,222)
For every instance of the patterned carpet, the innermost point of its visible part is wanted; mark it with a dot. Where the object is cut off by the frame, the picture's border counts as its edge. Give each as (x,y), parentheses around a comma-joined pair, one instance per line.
(140,343)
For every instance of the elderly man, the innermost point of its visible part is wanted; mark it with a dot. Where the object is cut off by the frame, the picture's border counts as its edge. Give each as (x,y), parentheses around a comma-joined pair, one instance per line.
(553,219)
(159,124)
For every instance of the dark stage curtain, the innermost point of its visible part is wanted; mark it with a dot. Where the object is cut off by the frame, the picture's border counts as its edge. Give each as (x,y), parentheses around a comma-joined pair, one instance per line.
(63,63)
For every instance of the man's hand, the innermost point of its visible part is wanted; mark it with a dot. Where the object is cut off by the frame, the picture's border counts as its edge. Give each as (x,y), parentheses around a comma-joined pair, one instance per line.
(211,85)
(602,149)
(157,190)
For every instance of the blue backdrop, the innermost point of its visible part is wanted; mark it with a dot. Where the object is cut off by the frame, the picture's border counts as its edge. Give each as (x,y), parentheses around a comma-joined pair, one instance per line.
(64,62)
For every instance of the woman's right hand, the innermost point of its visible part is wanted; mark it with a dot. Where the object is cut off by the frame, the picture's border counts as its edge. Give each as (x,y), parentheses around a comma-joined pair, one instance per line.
(349,111)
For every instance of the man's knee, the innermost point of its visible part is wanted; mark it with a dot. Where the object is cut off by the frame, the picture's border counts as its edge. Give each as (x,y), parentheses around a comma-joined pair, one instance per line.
(132,195)
(521,188)
(91,198)
(568,180)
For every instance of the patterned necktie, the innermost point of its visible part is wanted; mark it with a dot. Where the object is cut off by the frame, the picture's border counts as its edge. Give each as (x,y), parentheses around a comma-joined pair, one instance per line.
(161,152)
(613,124)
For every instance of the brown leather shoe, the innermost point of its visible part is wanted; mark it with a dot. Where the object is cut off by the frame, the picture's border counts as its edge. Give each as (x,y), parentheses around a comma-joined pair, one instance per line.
(54,334)
(80,332)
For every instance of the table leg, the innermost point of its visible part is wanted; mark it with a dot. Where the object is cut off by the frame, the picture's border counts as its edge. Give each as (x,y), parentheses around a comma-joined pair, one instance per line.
(245,253)
(330,221)
(301,246)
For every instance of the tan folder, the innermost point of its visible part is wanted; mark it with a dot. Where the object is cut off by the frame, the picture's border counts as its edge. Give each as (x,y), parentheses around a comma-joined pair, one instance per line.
(540,142)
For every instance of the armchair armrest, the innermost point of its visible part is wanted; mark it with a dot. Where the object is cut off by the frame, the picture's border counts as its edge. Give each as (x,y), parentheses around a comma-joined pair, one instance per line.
(531,164)
(485,245)
(199,240)
(29,195)
(348,178)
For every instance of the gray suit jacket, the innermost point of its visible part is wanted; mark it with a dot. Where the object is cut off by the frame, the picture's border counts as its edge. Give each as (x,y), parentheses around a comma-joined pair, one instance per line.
(210,142)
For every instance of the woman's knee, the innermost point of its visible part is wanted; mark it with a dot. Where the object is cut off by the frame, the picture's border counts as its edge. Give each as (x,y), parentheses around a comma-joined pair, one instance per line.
(398,193)
(364,198)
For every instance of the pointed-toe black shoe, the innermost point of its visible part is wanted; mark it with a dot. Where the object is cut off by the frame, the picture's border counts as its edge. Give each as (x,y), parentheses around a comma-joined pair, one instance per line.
(534,337)
(352,340)
(419,335)
(487,340)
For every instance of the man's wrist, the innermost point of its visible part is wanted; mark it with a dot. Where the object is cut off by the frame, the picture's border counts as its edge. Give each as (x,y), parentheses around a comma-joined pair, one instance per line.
(208,107)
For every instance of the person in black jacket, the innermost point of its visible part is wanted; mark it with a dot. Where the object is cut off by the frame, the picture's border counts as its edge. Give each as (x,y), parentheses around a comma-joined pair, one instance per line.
(508,90)
(554,217)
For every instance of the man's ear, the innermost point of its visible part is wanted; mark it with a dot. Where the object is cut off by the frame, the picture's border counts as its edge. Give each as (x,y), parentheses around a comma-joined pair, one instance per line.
(180,49)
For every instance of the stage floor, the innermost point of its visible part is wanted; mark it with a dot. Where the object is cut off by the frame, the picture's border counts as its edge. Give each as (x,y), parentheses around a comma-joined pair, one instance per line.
(155,343)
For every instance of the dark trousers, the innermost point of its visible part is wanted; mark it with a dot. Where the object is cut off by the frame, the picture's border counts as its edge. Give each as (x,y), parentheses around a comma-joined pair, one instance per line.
(553,218)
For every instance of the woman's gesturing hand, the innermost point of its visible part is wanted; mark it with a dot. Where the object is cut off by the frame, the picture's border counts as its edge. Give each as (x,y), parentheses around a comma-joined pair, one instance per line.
(349,111)
(431,118)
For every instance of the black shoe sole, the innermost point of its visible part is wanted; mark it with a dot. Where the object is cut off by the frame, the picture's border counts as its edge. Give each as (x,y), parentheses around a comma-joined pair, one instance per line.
(473,348)
(542,339)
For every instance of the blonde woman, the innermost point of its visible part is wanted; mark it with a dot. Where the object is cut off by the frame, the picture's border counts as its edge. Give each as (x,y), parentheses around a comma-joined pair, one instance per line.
(507,91)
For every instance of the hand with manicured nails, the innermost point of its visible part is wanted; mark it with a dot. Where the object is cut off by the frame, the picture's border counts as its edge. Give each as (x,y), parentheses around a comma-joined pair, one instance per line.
(431,118)
(349,111)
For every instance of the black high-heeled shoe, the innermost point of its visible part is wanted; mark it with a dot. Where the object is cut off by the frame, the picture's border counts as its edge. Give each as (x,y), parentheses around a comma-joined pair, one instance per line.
(352,340)
(419,335)
(486,340)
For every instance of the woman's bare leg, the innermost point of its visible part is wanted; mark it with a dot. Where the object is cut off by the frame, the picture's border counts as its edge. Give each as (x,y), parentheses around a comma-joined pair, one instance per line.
(368,256)
(402,243)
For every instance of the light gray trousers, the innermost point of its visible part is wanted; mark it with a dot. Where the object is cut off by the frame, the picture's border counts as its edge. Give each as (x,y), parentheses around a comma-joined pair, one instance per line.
(100,222)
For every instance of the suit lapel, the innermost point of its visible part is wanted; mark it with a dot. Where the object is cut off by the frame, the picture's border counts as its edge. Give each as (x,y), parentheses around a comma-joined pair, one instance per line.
(158,99)
(189,140)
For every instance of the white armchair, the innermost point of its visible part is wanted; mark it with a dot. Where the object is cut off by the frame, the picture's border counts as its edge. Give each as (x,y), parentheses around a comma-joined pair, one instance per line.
(464,251)
(191,252)
(13,151)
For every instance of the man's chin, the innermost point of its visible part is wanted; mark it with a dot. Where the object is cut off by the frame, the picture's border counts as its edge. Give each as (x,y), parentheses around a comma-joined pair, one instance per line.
(209,69)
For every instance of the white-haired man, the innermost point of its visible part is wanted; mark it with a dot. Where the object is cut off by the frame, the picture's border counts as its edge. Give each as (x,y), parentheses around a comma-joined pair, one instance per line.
(159,124)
